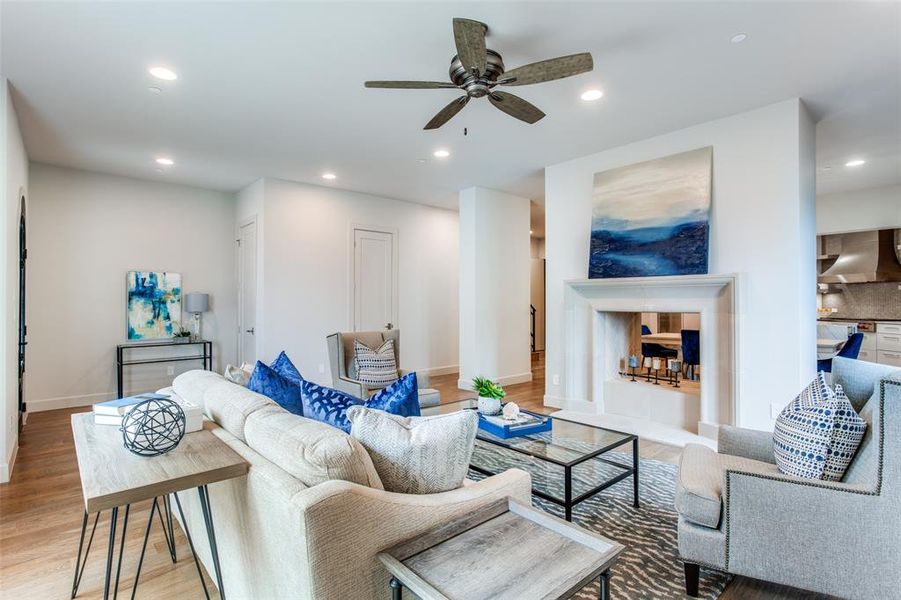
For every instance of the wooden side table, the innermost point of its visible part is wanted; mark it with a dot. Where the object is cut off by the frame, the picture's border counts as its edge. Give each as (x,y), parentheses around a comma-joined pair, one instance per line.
(512,544)
(112,477)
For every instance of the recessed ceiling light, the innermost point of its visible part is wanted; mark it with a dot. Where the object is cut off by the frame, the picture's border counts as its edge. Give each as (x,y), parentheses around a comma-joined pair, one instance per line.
(855,163)
(531,232)
(165,161)
(329,176)
(739,38)
(163,73)
(591,95)
(154,90)
(441,153)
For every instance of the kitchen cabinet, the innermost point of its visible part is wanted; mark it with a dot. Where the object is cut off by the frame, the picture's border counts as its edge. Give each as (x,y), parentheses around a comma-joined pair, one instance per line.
(890,358)
(888,343)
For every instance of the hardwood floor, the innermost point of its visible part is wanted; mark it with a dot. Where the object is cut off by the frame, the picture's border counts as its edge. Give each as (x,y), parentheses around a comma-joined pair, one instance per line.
(41,515)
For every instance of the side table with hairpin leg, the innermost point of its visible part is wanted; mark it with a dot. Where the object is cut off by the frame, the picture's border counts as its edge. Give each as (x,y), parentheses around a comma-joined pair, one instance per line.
(113,477)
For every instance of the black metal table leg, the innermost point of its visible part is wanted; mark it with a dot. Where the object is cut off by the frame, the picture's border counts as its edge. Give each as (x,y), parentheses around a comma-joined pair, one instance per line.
(109,552)
(397,589)
(204,493)
(184,523)
(79,561)
(604,591)
(121,551)
(635,472)
(568,492)
(134,587)
(166,524)
(119,371)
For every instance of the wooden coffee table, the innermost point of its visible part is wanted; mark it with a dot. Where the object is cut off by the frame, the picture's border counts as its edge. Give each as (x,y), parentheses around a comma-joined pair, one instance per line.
(505,551)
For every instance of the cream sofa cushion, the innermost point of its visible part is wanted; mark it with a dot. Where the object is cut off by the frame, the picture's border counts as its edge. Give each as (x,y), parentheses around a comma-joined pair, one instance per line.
(311,451)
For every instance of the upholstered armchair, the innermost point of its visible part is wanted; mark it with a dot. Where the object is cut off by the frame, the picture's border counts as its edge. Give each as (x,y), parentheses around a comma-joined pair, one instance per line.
(344,369)
(738,513)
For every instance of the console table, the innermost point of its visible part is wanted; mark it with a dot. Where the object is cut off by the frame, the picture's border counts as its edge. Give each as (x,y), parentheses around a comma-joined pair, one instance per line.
(121,361)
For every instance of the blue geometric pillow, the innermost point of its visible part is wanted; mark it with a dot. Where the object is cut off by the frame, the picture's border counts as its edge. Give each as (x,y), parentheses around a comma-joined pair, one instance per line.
(284,367)
(330,406)
(803,432)
(283,390)
(848,430)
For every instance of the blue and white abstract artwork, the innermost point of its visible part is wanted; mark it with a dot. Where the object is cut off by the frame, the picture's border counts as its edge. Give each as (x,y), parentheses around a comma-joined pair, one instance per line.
(652,218)
(153,304)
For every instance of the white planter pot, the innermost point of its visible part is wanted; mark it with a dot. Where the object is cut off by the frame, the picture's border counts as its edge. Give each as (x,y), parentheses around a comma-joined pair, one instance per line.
(489,406)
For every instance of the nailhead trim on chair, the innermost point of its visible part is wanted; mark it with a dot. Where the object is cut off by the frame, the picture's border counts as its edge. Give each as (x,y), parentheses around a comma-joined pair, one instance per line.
(817,483)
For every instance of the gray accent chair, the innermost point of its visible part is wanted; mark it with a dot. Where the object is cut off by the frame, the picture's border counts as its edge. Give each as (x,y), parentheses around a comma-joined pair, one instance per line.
(344,369)
(738,513)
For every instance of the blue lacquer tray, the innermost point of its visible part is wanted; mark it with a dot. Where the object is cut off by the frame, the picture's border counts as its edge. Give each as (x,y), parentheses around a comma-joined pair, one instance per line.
(510,431)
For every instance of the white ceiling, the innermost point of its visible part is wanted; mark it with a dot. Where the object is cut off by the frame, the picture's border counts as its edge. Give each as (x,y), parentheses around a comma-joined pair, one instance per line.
(276,89)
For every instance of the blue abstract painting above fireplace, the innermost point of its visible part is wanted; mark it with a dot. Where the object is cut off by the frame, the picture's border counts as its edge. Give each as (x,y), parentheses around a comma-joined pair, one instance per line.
(652,218)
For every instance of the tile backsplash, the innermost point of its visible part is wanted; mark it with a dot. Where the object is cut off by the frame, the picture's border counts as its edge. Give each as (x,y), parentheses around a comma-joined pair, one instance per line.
(866,301)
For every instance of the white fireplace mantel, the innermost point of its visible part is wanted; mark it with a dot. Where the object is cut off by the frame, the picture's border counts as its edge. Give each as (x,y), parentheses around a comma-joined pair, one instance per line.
(588,352)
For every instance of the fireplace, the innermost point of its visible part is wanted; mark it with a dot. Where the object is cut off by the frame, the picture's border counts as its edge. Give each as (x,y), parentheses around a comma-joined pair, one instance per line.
(599,319)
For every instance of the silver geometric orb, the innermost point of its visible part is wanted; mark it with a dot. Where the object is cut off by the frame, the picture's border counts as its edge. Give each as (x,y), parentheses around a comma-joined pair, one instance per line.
(153,427)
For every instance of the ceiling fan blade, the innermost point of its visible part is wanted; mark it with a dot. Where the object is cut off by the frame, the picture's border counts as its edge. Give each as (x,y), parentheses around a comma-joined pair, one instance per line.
(469,37)
(447,113)
(516,107)
(410,85)
(548,70)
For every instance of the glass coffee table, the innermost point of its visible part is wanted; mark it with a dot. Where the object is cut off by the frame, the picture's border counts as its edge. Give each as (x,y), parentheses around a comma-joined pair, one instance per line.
(568,464)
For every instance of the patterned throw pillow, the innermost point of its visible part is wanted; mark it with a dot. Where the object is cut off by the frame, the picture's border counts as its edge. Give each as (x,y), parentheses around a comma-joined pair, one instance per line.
(848,430)
(818,433)
(284,367)
(418,455)
(802,435)
(283,390)
(330,406)
(375,368)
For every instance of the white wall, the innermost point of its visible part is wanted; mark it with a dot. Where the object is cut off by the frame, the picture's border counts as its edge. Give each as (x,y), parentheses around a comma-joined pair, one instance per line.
(495,289)
(15,178)
(762,229)
(876,208)
(307,263)
(86,230)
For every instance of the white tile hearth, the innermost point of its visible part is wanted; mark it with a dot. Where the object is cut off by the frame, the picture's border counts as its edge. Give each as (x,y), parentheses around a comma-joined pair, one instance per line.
(643,428)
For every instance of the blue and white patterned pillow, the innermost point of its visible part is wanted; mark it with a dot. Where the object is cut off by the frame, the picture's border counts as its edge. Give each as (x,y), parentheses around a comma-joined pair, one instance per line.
(330,405)
(848,429)
(284,367)
(802,434)
(817,434)
(375,368)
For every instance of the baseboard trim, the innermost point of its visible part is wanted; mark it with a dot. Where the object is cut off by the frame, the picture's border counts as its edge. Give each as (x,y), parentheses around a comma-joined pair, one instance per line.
(466,384)
(68,401)
(6,469)
(446,370)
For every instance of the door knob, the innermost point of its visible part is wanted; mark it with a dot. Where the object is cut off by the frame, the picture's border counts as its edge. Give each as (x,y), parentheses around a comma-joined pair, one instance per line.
(389,326)
(250,331)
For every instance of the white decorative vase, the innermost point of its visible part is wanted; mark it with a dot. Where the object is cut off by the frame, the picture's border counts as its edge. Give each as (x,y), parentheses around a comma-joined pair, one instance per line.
(489,406)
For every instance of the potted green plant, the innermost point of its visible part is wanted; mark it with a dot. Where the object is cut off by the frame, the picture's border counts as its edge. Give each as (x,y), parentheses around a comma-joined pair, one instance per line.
(490,395)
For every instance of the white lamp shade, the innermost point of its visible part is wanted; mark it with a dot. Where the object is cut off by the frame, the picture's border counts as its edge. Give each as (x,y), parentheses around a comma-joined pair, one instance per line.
(197,303)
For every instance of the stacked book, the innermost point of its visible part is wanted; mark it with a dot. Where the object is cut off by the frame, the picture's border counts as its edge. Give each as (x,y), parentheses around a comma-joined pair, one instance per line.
(112,411)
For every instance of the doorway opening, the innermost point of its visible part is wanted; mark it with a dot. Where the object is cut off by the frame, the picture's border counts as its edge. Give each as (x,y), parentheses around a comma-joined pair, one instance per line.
(23,328)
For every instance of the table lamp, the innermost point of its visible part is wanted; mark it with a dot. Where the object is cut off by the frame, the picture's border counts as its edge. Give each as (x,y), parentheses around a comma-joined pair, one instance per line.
(196,304)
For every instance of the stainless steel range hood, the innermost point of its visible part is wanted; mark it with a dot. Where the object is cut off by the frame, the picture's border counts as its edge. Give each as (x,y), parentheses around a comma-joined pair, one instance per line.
(866,257)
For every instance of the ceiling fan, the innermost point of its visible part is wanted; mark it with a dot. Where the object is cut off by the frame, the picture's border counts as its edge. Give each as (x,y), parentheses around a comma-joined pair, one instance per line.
(477,71)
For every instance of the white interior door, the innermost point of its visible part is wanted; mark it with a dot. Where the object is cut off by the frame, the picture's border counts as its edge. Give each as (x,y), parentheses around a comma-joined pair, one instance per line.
(247,292)
(374,275)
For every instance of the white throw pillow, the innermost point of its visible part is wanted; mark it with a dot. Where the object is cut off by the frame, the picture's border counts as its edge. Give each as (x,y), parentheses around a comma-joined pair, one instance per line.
(375,368)
(416,455)
(240,375)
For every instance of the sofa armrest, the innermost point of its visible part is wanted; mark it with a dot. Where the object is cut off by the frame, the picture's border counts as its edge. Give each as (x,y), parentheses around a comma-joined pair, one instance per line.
(346,525)
(352,387)
(795,531)
(747,443)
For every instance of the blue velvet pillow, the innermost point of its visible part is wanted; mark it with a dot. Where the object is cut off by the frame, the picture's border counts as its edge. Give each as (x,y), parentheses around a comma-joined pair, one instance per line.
(285,391)
(330,406)
(284,367)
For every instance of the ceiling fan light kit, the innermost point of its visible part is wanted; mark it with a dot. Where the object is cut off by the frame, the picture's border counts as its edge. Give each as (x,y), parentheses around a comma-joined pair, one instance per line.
(478,70)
